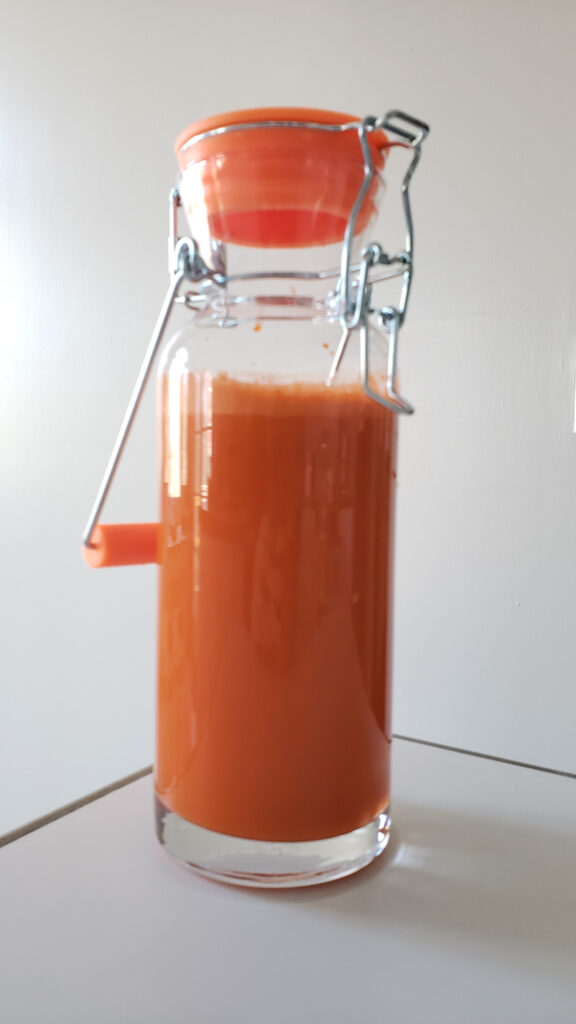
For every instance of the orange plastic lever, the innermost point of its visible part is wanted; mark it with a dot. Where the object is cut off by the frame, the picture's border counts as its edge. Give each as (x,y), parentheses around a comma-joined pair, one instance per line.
(123,544)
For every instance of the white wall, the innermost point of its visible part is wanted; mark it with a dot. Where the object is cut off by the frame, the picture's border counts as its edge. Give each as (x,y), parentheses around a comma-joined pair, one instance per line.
(92,98)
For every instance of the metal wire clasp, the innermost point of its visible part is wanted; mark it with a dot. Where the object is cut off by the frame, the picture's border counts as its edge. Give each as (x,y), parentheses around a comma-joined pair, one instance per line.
(355,291)
(184,267)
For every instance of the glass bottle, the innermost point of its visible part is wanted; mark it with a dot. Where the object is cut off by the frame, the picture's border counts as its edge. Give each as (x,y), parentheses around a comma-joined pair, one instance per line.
(278,416)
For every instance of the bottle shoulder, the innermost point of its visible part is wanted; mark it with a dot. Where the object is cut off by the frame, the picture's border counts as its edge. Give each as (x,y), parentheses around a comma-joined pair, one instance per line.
(255,345)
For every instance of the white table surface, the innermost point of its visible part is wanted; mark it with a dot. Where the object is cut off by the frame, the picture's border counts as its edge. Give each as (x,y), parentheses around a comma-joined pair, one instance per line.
(469,917)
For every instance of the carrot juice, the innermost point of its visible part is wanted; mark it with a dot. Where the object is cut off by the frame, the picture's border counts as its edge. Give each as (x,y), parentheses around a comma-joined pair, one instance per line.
(275,607)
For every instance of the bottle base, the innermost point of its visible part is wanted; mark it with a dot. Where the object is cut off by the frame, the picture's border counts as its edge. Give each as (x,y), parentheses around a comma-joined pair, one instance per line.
(276,865)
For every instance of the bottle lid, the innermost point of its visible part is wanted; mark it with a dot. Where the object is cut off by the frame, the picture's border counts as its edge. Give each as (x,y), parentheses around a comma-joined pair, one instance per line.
(278,177)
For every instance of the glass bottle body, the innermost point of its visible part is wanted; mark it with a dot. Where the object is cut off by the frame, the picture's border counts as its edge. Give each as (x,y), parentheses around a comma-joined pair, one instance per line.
(274,664)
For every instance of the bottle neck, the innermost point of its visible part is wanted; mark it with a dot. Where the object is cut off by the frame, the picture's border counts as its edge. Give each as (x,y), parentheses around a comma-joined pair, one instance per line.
(299,282)
(230,309)
(252,284)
